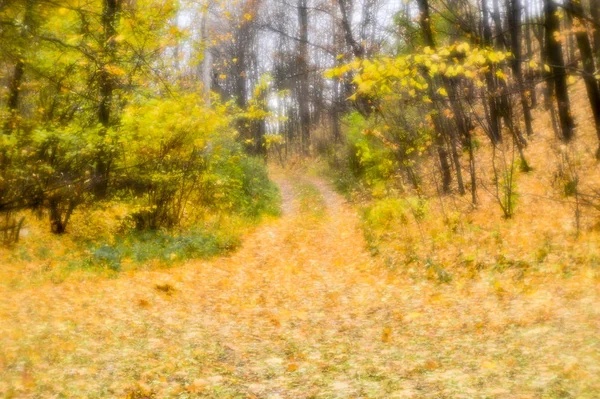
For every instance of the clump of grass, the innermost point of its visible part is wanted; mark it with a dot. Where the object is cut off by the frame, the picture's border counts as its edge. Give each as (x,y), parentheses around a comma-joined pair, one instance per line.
(139,247)
(310,199)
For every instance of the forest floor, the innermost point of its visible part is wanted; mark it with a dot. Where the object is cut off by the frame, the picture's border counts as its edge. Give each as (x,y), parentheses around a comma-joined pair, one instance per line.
(302,310)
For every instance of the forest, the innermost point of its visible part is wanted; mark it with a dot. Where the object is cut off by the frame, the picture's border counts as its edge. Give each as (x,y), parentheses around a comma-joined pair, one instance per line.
(300,199)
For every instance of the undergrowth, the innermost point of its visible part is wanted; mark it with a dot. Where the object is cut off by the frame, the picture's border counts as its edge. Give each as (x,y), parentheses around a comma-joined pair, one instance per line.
(103,239)
(420,231)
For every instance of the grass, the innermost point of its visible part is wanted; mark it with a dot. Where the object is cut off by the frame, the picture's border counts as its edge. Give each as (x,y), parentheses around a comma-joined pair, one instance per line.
(451,302)
(100,243)
(302,310)
(309,198)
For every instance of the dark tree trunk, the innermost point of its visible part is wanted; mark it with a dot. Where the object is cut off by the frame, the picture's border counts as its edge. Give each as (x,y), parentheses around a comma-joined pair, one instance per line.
(16,80)
(110,11)
(587,59)
(59,218)
(514,10)
(499,30)
(241,90)
(425,25)
(443,156)
(14,89)
(528,43)
(357,48)
(571,60)
(595,13)
(303,94)
(494,116)
(335,112)
(559,76)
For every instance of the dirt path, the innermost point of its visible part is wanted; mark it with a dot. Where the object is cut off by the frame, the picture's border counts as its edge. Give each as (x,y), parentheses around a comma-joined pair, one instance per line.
(300,311)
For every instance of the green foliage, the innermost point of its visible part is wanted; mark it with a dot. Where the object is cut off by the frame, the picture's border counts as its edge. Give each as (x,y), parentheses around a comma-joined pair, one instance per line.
(257,194)
(437,271)
(172,152)
(384,219)
(407,77)
(386,213)
(505,184)
(140,247)
(365,158)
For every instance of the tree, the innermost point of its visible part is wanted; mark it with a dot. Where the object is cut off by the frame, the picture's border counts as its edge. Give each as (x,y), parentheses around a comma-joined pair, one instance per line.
(303,96)
(587,60)
(558,77)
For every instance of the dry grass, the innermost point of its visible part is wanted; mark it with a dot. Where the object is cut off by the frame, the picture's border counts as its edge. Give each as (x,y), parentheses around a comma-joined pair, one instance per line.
(549,234)
(301,311)
(304,311)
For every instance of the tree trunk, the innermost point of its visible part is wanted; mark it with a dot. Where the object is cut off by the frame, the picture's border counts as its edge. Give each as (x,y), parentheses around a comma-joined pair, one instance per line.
(494,117)
(303,94)
(514,9)
(425,24)
(356,47)
(499,30)
(587,59)
(528,42)
(14,89)
(206,65)
(16,80)
(110,12)
(557,65)
(595,13)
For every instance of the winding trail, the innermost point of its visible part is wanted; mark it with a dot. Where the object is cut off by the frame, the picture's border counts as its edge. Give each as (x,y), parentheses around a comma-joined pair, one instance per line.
(300,311)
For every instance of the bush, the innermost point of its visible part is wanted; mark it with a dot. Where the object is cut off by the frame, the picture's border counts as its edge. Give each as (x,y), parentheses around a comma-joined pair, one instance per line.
(191,162)
(164,246)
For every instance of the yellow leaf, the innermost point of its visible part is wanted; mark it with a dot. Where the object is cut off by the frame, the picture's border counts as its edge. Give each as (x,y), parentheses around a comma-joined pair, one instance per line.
(386,335)
(488,365)
(413,316)
(443,92)
(432,365)
(114,70)
(463,47)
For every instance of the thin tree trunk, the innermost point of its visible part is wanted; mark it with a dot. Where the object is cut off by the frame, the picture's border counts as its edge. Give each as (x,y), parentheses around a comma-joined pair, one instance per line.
(14,91)
(16,80)
(494,117)
(303,94)
(595,13)
(206,65)
(529,48)
(499,30)
(514,24)
(559,75)
(425,23)
(356,47)
(109,20)
(587,60)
